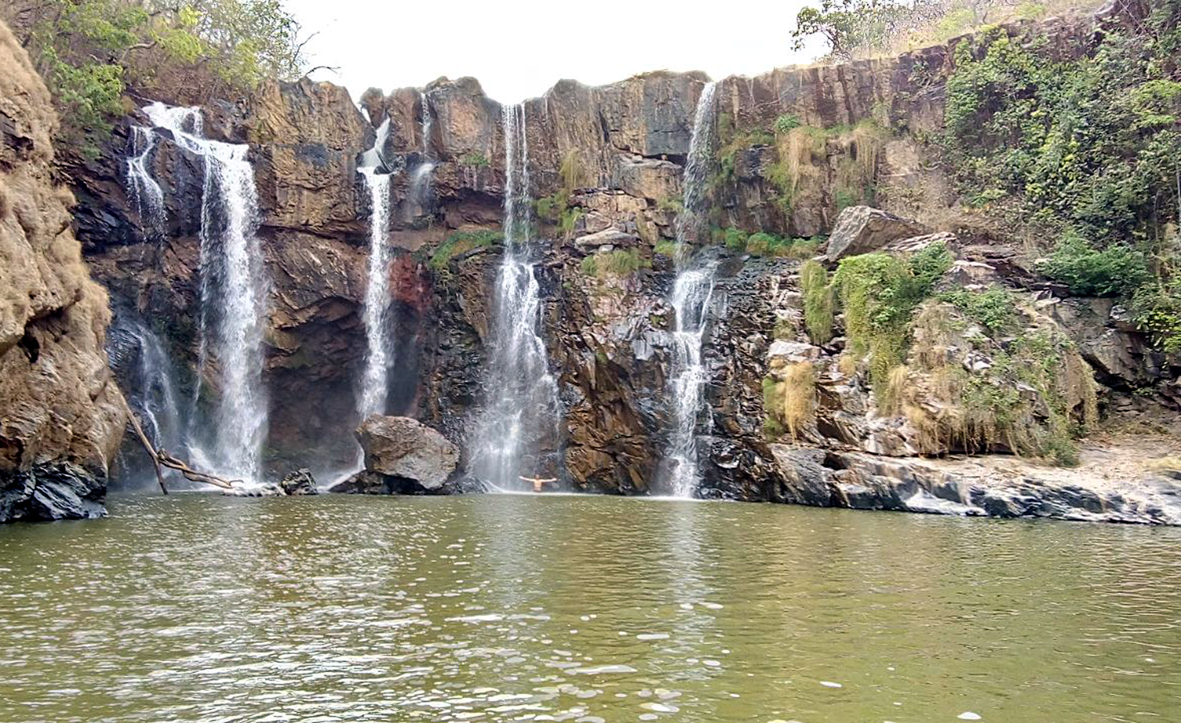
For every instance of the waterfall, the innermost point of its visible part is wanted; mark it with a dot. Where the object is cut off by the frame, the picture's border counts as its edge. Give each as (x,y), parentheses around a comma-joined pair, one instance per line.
(691,296)
(139,357)
(374,384)
(233,294)
(419,192)
(521,407)
(145,192)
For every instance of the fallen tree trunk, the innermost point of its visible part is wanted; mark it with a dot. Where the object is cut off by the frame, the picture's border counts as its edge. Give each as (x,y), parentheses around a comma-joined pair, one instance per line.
(161,458)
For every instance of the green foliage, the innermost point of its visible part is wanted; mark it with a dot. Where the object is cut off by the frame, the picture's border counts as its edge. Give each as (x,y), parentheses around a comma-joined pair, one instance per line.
(854,27)
(1157,308)
(994,308)
(667,248)
(786,123)
(818,302)
(1086,271)
(460,243)
(619,262)
(1089,144)
(734,238)
(475,160)
(879,293)
(91,51)
(762,243)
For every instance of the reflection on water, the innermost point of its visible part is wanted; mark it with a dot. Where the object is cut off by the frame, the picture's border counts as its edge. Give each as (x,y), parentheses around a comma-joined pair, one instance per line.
(505,608)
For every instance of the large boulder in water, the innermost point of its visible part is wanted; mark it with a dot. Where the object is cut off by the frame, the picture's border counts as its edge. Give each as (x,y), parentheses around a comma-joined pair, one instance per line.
(406,449)
(862,229)
(299,483)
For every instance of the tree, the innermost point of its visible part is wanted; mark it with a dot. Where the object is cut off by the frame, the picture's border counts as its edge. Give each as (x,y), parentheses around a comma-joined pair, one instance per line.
(91,53)
(850,27)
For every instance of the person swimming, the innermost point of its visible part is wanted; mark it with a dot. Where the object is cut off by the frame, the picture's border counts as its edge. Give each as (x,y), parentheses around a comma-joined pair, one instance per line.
(538,482)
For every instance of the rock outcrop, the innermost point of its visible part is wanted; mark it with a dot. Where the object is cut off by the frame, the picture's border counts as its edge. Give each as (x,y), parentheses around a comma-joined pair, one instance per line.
(1115,482)
(61,415)
(862,230)
(401,454)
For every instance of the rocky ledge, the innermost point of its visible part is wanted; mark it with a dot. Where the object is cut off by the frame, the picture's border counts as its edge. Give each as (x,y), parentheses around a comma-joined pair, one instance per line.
(1132,479)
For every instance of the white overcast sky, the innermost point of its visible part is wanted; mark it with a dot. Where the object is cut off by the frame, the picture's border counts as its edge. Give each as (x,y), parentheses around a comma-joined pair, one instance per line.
(519,49)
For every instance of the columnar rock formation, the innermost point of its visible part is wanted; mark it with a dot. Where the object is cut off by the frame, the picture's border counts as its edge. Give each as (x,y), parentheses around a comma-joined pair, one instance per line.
(61,416)
(794,146)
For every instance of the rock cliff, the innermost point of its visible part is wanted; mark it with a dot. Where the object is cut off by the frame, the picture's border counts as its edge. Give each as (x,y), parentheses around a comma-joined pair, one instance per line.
(61,415)
(792,149)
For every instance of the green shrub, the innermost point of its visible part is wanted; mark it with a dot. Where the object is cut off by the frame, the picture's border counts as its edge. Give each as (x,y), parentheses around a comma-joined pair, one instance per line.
(475,160)
(460,243)
(667,248)
(994,308)
(762,243)
(1086,271)
(879,293)
(1157,310)
(734,238)
(818,302)
(786,123)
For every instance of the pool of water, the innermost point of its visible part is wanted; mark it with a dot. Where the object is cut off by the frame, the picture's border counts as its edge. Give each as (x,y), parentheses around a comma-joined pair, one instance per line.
(515,607)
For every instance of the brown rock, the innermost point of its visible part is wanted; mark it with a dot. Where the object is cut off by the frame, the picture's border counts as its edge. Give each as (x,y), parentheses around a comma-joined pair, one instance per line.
(57,402)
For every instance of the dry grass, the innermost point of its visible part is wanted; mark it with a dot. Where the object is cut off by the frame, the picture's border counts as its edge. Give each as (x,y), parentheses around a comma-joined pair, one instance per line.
(799,397)
(1029,400)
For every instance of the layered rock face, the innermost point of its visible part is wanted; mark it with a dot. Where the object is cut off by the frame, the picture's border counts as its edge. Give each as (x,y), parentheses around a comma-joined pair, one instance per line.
(792,148)
(61,415)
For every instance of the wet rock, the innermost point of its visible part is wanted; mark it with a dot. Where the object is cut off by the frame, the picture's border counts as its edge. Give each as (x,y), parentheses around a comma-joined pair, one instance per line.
(406,449)
(299,483)
(52,492)
(982,486)
(862,229)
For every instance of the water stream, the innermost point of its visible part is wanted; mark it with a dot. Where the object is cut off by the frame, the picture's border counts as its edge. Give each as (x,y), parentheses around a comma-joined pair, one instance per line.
(521,408)
(374,383)
(233,296)
(690,299)
(146,194)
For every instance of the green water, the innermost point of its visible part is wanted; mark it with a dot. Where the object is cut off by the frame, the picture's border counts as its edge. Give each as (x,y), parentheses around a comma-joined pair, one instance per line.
(505,608)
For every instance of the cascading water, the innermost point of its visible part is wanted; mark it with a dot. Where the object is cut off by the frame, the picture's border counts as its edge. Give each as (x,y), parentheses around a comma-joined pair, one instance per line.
(691,296)
(138,355)
(521,408)
(146,194)
(374,382)
(233,294)
(418,194)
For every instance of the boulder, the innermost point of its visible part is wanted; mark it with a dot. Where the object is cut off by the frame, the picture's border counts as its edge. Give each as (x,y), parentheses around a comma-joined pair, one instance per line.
(862,229)
(299,483)
(404,448)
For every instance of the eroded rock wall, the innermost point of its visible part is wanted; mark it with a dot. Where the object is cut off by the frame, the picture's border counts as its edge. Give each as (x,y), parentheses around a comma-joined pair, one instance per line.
(61,415)
(793,147)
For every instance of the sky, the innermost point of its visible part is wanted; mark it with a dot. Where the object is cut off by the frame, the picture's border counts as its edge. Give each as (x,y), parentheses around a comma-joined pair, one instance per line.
(519,49)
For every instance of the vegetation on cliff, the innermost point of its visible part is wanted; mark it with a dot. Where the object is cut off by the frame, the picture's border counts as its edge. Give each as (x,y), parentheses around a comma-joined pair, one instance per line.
(91,53)
(1086,150)
(866,28)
